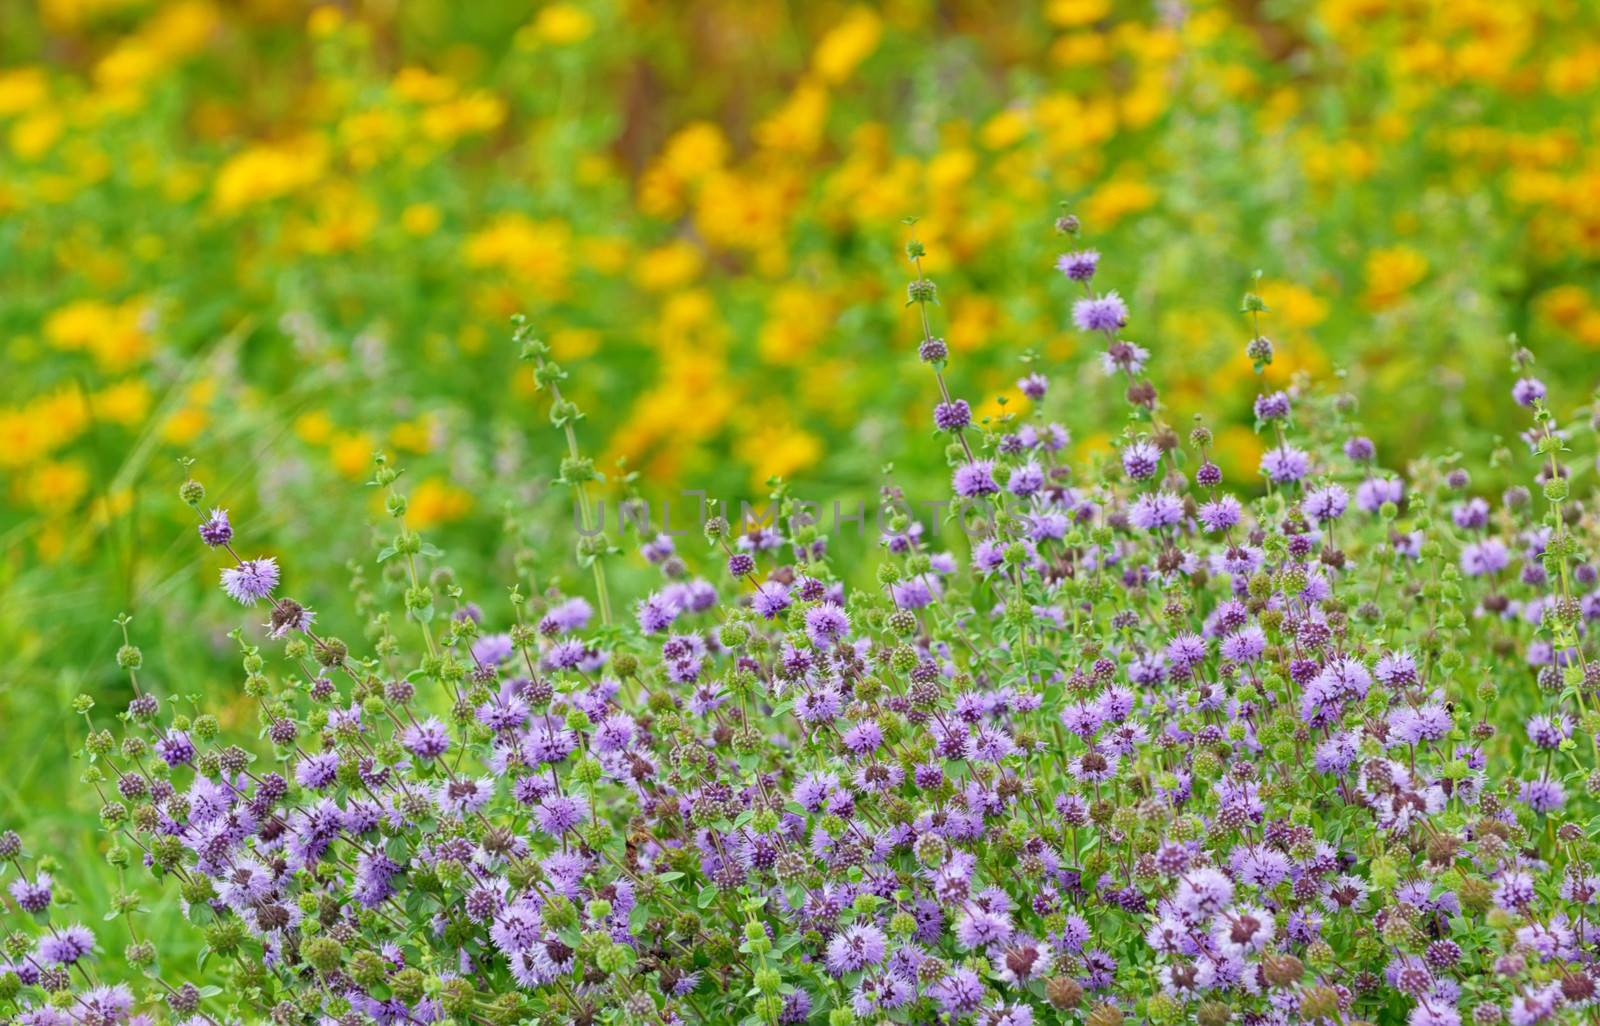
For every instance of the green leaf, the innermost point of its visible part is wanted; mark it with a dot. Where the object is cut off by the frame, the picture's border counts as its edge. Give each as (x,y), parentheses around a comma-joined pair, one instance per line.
(708,894)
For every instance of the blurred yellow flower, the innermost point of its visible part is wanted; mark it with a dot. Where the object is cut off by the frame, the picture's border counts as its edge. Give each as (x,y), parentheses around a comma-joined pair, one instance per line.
(185,425)
(266,172)
(1291,304)
(1390,274)
(414,436)
(22,89)
(31,137)
(56,485)
(126,402)
(313,427)
(1117,199)
(535,252)
(435,501)
(847,44)
(669,266)
(1076,13)
(780,449)
(574,343)
(113,335)
(420,219)
(797,319)
(796,127)
(351,453)
(563,23)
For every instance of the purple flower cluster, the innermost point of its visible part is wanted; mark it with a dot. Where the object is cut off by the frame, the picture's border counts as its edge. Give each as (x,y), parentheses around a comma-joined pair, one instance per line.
(1139,748)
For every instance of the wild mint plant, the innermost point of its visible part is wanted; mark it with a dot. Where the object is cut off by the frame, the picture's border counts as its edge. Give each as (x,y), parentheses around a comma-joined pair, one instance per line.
(1142,747)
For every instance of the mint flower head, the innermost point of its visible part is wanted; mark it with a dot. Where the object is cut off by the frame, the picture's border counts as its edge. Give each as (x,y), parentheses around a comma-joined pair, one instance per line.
(251,581)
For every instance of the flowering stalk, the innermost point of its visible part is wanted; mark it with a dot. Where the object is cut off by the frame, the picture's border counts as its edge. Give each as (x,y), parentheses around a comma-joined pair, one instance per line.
(576,470)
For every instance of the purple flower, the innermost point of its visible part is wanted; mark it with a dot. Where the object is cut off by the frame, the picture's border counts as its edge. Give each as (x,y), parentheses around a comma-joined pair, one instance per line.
(771,599)
(1151,512)
(1140,460)
(426,740)
(1102,313)
(175,748)
(1272,406)
(1528,391)
(1485,557)
(1079,265)
(1372,493)
(1360,449)
(1542,796)
(952,416)
(375,873)
(974,479)
(1549,731)
(571,615)
(216,530)
(492,649)
(66,945)
(288,615)
(557,814)
(1220,514)
(958,992)
(1326,503)
(1285,464)
(1034,386)
(32,896)
(856,948)
(251,581)
(1025,480)
(1124,356)
(1244,647)
(826,624)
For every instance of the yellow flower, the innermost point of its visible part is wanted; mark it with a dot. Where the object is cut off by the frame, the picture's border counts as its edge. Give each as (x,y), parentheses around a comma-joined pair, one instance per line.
(1076,49)
(779,449)
(1390,274)
(1116,199)
(313,427)
(435,501)
(126,402)
(1004,129)
(1292,305)
(561,24)
(32,136)
(574,343)
(669,266)
(324,21)
(606,255)
(113,335)
(847,44)
(267,171)
(421,86)
(22,89)
(344,219)
(695,151)
(535,252)
(1076,13)
(797,126)
(57,486)
(414,435)
(1564,304)
(351,453)
(420,219)
(797,320)
(185,425)
(479,111)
